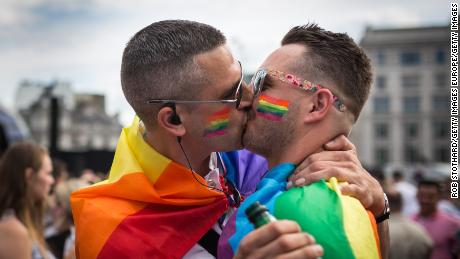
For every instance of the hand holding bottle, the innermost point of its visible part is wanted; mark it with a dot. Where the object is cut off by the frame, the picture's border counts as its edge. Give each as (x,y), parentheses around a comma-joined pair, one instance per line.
(276,238)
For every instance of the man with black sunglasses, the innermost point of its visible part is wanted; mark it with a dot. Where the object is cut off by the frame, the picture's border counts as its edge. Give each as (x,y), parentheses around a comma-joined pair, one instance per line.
(168,192)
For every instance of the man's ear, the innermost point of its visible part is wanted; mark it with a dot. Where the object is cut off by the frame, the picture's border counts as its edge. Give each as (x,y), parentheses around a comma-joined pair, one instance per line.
(320,103)
(170,120)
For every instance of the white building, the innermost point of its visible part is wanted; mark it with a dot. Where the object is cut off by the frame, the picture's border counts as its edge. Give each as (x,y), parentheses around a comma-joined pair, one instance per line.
(406,118)
(83,123)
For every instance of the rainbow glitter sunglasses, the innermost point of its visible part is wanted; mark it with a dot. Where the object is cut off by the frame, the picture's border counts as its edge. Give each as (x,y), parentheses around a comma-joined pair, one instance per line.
(259,78)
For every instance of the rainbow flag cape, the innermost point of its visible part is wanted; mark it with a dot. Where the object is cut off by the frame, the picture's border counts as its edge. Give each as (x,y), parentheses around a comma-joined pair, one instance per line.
(149,207)
(339,223)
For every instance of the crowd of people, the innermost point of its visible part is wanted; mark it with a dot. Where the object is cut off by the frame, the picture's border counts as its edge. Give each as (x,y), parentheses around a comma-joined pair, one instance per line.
(180,179)
(37,222)
(36,217)
(425,221)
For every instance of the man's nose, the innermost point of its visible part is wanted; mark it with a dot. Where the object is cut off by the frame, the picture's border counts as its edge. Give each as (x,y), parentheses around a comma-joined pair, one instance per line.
(247,98)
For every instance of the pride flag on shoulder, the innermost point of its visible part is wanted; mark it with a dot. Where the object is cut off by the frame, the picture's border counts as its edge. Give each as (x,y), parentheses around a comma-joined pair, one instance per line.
(339,223)
(149,207)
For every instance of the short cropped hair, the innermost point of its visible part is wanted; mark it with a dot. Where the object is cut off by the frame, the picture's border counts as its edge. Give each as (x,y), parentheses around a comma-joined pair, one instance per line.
(398,175)
(158,62)
(433,183)
(395,200)
(335,57)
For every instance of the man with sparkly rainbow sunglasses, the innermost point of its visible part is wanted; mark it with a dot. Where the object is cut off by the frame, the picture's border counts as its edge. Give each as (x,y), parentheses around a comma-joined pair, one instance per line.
(289,111)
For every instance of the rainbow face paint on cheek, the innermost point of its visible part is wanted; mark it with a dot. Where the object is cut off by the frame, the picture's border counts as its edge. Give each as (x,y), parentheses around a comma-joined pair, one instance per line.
(271,108)
(218,123)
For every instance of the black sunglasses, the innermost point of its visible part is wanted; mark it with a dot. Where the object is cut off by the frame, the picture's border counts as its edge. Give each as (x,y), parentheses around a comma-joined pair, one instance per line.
(236,100)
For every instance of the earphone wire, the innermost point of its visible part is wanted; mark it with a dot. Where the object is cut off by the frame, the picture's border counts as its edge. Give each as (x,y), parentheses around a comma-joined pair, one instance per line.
(193,172)
(144,136)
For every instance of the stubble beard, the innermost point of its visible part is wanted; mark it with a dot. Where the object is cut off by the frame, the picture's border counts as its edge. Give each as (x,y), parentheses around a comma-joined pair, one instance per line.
(268,139)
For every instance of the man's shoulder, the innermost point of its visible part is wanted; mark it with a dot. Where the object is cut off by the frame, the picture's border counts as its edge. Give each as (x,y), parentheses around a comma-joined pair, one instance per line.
(402,224)
(449,219)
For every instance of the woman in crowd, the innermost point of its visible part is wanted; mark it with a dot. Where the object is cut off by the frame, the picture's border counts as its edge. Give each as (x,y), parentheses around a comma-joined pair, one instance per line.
(25,181)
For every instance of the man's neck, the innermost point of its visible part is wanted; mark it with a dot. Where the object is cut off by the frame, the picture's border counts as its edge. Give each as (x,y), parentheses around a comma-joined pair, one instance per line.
(306,142)
(295,152)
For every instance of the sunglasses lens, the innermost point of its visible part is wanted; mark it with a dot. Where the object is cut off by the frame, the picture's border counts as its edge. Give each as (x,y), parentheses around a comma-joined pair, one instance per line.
(258,81)
(239,95)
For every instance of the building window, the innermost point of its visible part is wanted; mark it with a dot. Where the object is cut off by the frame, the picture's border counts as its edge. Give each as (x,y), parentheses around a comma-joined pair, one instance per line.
(97,142)
(440,80)
(381,130)
(440,130)
(409,58)
(65,141)
(440,103)
(411,130)
(381,82)
(410,80)
(441,154)
(381,156)
(411,104)
(381,104)
(440,57)
(411,154)
(380,56)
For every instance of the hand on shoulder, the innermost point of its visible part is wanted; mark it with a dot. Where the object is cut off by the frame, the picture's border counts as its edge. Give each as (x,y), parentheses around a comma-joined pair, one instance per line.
(340,160)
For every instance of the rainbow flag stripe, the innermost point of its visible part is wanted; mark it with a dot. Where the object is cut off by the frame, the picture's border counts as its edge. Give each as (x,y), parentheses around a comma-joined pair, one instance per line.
(339,223)
(272,108)
(218,122)
(147,208)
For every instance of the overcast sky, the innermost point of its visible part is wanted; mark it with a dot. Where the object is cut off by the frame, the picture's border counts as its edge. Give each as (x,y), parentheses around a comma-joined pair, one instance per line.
(82,41)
